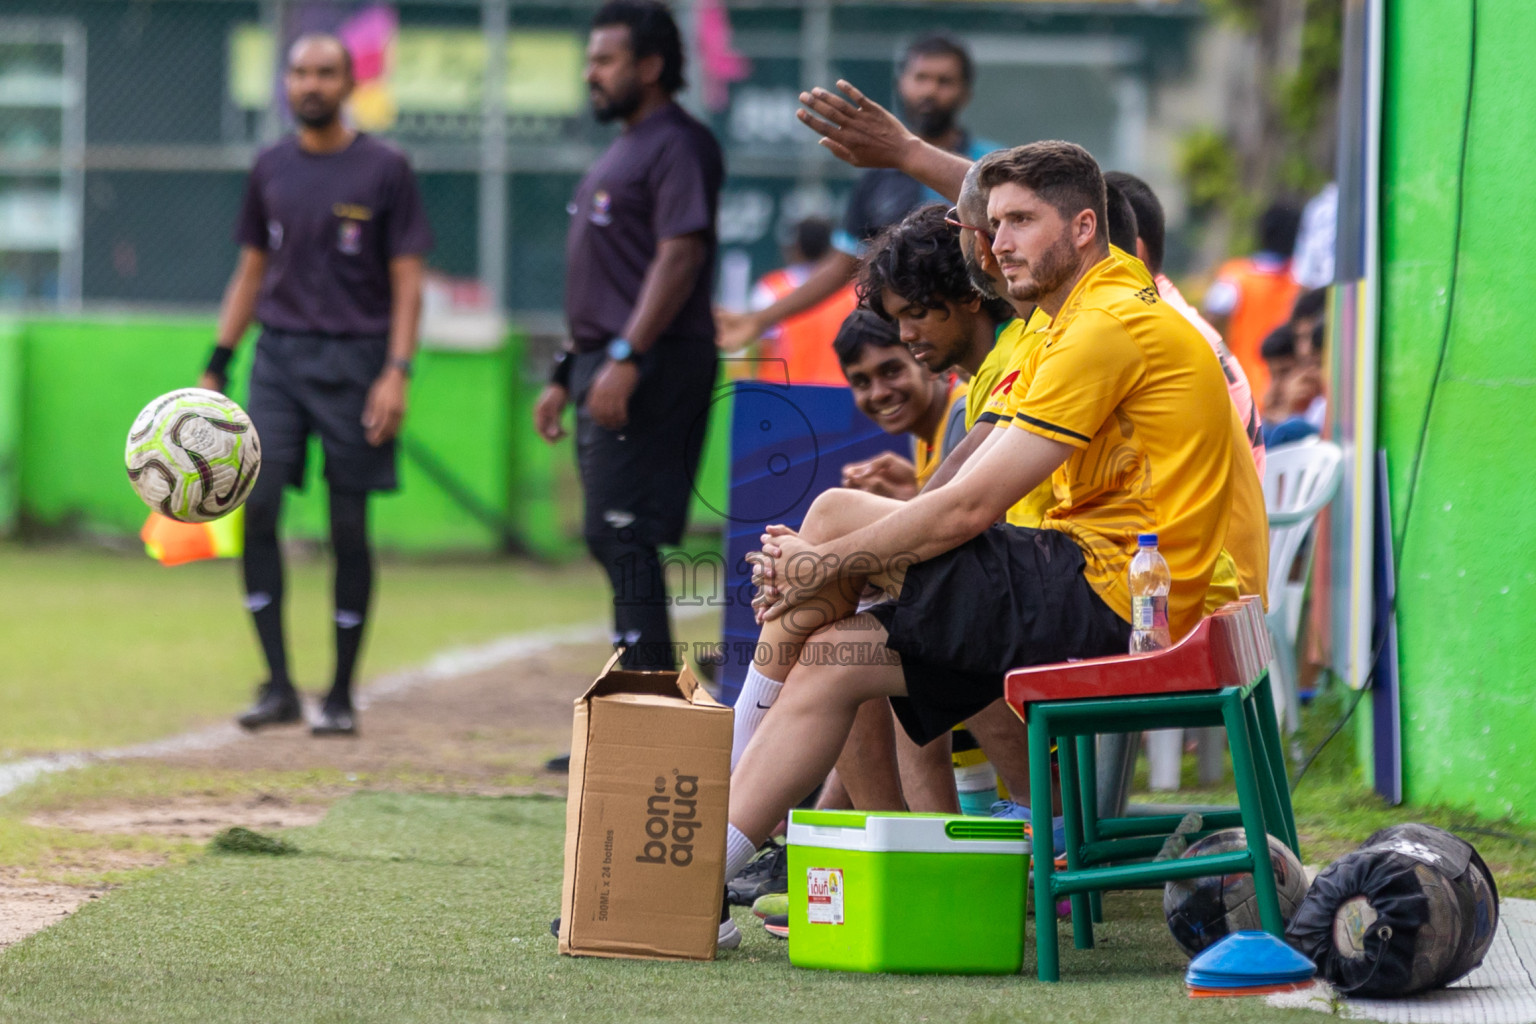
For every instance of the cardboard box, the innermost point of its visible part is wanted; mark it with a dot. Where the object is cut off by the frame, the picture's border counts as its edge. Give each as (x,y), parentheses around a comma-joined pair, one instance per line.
(645,822)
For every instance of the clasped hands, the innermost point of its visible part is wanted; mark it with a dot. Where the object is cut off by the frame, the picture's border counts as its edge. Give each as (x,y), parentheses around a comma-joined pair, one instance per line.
(787,571)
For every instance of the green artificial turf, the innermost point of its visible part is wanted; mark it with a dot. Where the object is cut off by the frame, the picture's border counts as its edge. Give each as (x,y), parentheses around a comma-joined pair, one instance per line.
(104,648)
(427,908)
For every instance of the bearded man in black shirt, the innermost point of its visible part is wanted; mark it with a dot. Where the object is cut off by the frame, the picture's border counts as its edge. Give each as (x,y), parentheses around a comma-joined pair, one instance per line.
(640,258)
(331,234)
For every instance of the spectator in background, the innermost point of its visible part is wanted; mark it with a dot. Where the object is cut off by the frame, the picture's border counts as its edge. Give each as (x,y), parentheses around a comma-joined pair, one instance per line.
(1150,247)
(934,85)
(1295,405)
(798,350)
(1310,312)
(1253,295)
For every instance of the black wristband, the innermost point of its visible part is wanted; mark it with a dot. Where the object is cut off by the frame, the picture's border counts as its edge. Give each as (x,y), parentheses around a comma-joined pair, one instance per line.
(560,373)
(218,361)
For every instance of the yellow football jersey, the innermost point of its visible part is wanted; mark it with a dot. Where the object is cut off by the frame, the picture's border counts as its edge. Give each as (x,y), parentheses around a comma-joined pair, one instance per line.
(1130,385)
(986,376)
(927,455)
(1022,337)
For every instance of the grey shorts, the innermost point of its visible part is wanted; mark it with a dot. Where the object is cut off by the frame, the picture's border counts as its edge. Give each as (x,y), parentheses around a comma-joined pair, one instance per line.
(303,384)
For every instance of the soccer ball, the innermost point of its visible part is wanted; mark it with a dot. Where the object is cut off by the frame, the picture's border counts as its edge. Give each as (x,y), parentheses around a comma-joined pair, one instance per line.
(193,455)
(1202,910)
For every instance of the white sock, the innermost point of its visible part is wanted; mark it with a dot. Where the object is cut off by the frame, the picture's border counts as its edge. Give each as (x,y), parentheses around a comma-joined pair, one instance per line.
(738,850)
(757,695)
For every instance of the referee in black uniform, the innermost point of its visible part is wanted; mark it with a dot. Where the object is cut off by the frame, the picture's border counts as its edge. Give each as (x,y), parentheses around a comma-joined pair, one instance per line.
(640,257)
(331,236)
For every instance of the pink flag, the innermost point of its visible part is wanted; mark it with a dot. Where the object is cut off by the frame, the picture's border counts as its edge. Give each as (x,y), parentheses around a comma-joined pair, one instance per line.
(721,63)
(368,34)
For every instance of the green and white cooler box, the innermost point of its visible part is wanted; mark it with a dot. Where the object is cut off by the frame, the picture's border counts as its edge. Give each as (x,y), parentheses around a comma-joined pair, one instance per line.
(906,893)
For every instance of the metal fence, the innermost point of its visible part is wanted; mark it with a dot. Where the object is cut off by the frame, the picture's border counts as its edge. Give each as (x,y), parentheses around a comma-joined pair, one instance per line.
(127,126)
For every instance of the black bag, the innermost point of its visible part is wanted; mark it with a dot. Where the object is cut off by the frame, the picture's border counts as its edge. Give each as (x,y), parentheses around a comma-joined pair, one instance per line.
(1414,908)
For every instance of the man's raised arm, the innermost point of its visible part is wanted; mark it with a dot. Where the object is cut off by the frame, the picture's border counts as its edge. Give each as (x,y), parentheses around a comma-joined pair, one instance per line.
(861,132)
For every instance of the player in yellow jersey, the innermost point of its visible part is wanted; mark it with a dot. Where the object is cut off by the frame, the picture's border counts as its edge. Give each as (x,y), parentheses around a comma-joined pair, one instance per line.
(861,132)
(1125,411)
(914,276)
(998,405)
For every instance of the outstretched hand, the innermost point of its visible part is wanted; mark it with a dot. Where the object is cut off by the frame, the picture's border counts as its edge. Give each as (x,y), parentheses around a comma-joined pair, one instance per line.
(857,130)
(735,331)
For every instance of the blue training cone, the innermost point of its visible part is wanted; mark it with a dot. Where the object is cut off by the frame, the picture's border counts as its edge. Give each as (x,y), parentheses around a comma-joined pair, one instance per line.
(1248,964)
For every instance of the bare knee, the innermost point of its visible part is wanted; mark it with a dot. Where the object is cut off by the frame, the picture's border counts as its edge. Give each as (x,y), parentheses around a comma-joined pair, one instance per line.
(840,510)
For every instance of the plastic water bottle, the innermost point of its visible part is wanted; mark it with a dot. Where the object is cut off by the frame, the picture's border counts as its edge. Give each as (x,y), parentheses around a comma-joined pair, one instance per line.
(975,778)
(1150,581)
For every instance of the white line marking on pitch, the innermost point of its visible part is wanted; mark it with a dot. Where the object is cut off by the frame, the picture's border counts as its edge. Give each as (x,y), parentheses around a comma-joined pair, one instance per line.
(450,664)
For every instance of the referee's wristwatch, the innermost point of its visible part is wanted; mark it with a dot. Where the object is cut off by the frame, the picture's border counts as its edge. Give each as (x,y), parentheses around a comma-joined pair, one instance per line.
(621,351)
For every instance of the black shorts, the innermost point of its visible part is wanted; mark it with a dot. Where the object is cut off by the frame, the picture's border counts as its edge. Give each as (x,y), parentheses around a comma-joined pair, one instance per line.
(304,384)
(638,481)
(1011,597)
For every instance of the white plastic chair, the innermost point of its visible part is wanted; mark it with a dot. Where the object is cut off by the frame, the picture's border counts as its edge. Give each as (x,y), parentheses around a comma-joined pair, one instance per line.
(1300,479)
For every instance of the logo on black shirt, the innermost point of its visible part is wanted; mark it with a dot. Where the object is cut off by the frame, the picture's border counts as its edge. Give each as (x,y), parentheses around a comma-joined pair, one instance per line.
(349,237)
(602,209)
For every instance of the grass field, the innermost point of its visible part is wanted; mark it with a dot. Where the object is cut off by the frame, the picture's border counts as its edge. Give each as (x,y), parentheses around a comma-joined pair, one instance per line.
(413,906)
(421,908)
(102,648)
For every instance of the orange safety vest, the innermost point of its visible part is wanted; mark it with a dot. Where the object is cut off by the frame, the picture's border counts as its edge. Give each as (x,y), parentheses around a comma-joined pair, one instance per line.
(804,341)
(1264,300)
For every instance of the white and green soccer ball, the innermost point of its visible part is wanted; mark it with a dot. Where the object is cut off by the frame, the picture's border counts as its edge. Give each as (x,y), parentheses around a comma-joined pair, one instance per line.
(193,455)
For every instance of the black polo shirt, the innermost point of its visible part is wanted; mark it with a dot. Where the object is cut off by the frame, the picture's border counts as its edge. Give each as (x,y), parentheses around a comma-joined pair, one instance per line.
(660,179)
(329,224)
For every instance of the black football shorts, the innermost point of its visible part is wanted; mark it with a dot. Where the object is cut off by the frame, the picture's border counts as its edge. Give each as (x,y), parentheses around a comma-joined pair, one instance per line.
(1011,597)
(303,384)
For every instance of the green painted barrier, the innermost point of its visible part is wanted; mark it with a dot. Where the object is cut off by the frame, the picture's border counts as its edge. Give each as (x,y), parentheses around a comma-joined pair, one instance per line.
(474,477)
(1457,379)
(10,426)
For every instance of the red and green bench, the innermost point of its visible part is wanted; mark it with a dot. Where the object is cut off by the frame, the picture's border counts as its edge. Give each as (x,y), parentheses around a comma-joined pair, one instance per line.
(1218,675)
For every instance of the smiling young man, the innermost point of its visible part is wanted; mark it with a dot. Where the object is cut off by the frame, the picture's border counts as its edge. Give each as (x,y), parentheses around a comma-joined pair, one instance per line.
(902,396)
(1125,411)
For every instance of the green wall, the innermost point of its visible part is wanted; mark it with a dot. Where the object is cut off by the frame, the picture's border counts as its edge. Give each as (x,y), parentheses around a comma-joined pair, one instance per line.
(1467,548)
(83,381)
(69,388)
(10,424)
